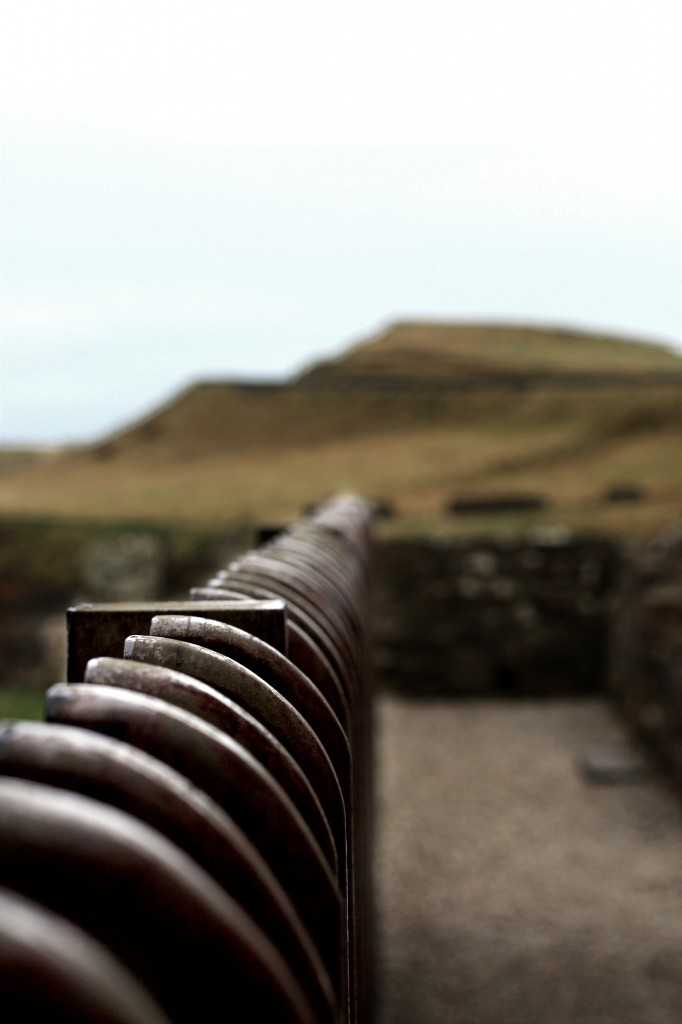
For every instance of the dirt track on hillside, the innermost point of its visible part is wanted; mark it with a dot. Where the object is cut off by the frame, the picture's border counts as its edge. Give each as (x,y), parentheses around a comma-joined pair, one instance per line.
(510,890)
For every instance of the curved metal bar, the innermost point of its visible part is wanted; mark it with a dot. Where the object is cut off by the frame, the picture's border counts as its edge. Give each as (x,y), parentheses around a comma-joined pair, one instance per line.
(192,695)
(264,702)
(331,559)
(304,651)
(332,568)
(274,668)
(316,665)
(295,612)
(125,777)
(231,776)
(52,970)
(306,575)
(287,585)
(160,914)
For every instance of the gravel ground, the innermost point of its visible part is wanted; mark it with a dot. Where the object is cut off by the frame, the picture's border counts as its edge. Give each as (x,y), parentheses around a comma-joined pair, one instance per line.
(511,891)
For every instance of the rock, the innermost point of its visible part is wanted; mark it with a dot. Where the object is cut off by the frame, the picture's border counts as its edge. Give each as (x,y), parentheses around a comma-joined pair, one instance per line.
(613,767)
(126,566)
(624,492)
(496,503)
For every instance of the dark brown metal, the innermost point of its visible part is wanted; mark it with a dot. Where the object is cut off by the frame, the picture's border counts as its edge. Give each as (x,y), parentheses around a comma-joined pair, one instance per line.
(316,665)
(274,668)
(301,609)
(264,702)
(125,777)
(333,560)
(52,971)
(205,701)
(317,602)
(231,776)
(100,629)
(270,742)
(164,917)
(296,613)
(305,652)
(317,577)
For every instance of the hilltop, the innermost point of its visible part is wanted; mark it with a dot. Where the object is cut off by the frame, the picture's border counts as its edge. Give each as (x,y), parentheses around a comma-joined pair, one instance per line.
(475,352)
(418,413)
(427,360)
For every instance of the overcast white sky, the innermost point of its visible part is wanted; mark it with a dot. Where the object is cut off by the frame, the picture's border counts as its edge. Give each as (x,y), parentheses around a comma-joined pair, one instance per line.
(201,189)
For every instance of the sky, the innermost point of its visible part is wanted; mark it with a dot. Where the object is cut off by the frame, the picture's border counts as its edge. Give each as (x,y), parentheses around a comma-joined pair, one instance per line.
(215,190)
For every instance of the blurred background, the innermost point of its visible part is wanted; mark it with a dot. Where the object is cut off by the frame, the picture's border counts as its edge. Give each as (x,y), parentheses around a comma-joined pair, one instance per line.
(218,222)
(253,254)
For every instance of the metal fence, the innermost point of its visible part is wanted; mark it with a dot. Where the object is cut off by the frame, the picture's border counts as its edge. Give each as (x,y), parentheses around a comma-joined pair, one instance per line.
(187,836)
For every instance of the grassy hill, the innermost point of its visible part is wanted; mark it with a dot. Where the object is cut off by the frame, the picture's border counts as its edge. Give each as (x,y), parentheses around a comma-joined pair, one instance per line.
(426,351)
(418,414)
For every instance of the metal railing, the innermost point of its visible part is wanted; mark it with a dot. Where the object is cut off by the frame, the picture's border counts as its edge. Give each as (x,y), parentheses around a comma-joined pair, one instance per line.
(188,835)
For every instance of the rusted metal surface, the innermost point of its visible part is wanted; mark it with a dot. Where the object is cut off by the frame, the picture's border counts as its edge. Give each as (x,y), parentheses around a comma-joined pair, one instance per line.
(50,970)
(95,630)
(162,916)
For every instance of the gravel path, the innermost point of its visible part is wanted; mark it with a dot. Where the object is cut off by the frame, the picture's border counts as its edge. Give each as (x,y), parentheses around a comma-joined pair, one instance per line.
(510,890)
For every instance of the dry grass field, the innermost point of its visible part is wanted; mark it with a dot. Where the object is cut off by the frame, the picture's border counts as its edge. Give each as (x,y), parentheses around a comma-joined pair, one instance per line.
(222,452)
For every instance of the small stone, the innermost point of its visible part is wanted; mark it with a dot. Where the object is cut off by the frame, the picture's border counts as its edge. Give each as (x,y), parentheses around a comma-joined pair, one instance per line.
(503,588)
(590,572)
(613,767)
(532,559)
(552,536)
(526,614)
(652,717)
(482,563)
(468,587)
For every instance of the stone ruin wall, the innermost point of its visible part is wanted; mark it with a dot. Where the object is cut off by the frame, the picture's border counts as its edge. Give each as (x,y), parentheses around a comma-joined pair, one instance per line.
(41,575)
(645,675)
(548,614)
(494,617)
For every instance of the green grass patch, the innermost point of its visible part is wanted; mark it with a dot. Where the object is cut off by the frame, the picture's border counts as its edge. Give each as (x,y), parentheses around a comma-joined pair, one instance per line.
(21,704)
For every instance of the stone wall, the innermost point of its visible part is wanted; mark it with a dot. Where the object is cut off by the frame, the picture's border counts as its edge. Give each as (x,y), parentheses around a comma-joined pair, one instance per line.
(44,567)
(452,617)
(646,646)
(483,616)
